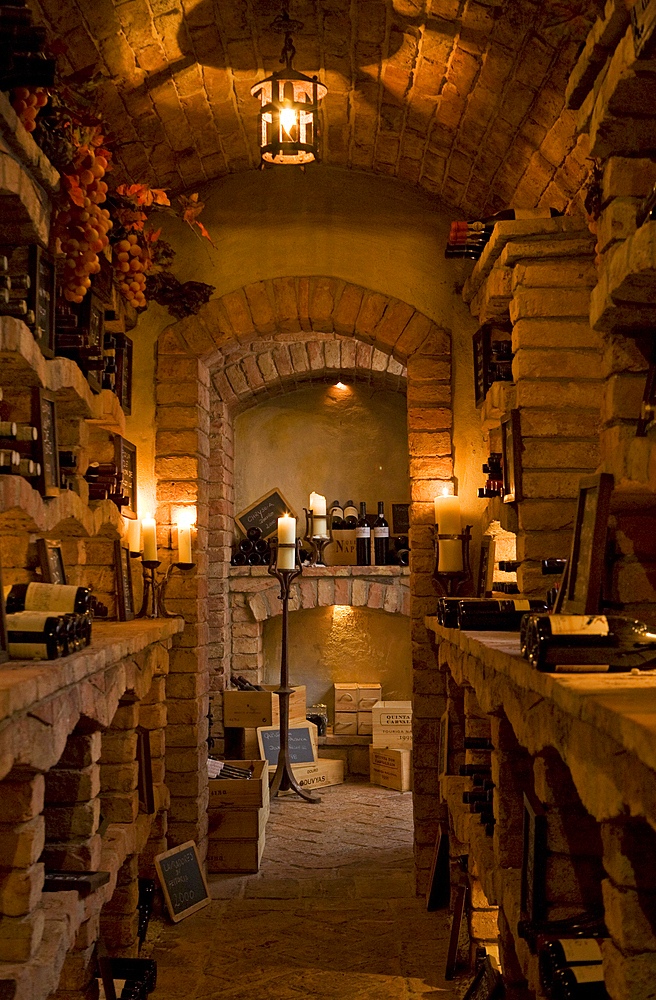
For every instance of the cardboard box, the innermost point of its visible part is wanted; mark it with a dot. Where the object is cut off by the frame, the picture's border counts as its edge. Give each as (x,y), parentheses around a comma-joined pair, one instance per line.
(238,793)
(346,724)
(392,724)
(365,723)
(234,855)
(368,695)
(321,773)
(391,768)
(250,709)
(346,697)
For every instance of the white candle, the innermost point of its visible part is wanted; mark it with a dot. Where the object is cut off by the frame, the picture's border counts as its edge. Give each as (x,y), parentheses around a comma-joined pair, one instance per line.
(318,504)
(134,535)
(447,519)
(184,542)
(286,536)
(149,533)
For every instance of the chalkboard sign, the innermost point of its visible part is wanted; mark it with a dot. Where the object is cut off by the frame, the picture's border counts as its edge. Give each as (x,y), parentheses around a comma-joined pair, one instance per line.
(46,451)
(124,593)
(400,518)
(182,880)
(301,744)
(264,514)
(125,457)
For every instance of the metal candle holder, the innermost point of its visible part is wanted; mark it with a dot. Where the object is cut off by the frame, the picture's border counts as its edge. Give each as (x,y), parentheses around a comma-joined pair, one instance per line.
(154,591)
(283,779)
(317,543)
(452,582)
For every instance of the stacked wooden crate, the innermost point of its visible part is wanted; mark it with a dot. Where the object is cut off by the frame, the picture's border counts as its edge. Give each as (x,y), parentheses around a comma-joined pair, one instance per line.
(390,752)
(353,708)
(238,813)
(245,711)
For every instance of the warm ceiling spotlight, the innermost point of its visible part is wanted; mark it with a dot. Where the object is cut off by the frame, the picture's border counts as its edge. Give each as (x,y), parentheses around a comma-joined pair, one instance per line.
(289,109)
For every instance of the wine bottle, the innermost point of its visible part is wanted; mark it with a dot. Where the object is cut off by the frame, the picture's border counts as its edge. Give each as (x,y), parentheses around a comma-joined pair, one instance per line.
(9,460)
(254,559)
(48,597)
(579,982)
(8,429)
(336,516)
(238,559)
(495,615)
(350,515)
(35,636)
(472,770)
(550,567)
(473,798)
(261,545)
(27,468)
(508,215)
(587,643)
(363,538)
(254,534)
(245,546)
(564,952)
(478,743)
(582,925)
(381,536)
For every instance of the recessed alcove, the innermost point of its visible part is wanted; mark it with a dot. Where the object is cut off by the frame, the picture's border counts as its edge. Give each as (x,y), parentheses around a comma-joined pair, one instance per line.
(339,644)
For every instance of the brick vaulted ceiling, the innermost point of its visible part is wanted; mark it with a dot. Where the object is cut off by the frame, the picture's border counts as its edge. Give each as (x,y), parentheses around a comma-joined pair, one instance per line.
(463,98)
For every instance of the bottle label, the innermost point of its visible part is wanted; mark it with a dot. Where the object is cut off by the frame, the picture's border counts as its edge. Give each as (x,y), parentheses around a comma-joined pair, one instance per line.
(27,650)
(50,597)
(27,621)
(580,950)
(381,532)
(579,624)
(522,605)
(587,973)
(363,532)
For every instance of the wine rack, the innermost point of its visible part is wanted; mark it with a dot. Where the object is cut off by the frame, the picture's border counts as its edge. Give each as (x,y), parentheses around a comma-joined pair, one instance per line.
(29,281)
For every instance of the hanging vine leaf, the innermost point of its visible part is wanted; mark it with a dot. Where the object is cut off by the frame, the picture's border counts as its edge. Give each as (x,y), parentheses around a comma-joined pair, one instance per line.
(192,208)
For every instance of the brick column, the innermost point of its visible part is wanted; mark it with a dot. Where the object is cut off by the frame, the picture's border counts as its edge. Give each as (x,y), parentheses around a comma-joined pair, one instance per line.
(182,469)
(21,871)
(431,467)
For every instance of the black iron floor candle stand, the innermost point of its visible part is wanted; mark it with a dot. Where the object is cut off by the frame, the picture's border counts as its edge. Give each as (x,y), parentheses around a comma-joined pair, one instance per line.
(452,582)
(284,779)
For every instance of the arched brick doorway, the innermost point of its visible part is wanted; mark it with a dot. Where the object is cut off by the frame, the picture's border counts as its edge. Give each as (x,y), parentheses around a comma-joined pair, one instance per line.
(269,337)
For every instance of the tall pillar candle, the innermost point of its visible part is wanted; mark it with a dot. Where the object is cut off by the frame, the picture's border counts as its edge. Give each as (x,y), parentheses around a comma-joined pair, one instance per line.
(149,535)
(286,536)
(447,520)
(184,542)
(318,508)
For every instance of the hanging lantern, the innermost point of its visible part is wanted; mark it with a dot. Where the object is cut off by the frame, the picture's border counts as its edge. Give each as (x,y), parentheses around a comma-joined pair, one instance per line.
(289,100)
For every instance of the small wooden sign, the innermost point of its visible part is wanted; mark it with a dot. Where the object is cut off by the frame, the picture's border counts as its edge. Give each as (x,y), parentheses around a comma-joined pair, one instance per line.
(125,458)
(533,885)
(182,880)
(438,894)
(145,774)
(44,418)
(264,513)
(124,594)
(301,744)
(51,562)
(400,518)
(511,449)
(485,586)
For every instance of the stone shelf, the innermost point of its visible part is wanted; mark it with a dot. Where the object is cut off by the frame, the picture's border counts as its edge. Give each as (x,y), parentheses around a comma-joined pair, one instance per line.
(23,509)
(324,572)
(602,725)
(506,245)
(625,295)
(25,684)
(500,398)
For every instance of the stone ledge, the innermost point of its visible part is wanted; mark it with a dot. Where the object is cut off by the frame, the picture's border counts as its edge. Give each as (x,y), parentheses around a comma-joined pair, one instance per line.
(22,508)
(602,725)
(323,572)
(25,148)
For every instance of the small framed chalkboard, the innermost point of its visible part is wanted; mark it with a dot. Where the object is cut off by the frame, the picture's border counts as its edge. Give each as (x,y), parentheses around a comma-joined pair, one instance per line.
(51,562)
(438,894)
(145,773)
(124,594)
(582,592)
(534,861)
(511,449)
(484,586)
(301,745)
(182,880)
(400,518)
(264,513)
(125,458)
(44,418)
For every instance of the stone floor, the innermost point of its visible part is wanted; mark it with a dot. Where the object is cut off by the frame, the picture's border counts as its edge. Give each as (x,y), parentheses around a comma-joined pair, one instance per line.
(331,914)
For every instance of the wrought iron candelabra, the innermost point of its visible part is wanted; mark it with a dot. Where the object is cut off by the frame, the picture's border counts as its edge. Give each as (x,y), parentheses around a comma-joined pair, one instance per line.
(284,779)
(154,590)
(452,582)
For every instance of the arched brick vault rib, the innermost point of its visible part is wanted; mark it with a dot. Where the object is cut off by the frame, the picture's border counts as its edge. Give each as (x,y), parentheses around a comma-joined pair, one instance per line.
(281,309)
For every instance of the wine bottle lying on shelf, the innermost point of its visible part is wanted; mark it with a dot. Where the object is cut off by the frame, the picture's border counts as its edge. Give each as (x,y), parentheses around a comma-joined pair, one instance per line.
(565,952)
(48,597)
(579,982)
(35,636)
(495,615)
(587,643)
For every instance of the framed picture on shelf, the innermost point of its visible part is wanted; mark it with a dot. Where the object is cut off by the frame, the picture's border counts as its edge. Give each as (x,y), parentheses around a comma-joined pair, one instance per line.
(125,457)
(400,518)
(264,514)
(124,592)
(145,772)
(438,894)
(484,584)
(534,861)
(511,450)
(44,418)
(585,567)
(51,562)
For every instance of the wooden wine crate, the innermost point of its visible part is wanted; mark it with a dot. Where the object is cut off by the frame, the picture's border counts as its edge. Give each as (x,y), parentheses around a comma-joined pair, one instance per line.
(346,697)
(321,773)
(237,824)
(250,709)
(365,723)
(234,855)
(346,724)
(392,724)
(368,695)
(390,767)
(241,793)
(242,743)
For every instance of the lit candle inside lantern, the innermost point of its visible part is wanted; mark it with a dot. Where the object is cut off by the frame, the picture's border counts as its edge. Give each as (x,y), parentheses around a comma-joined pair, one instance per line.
(184,542)
(286,536)
(149,534)
(134,535)
(447,519)
(318,508)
